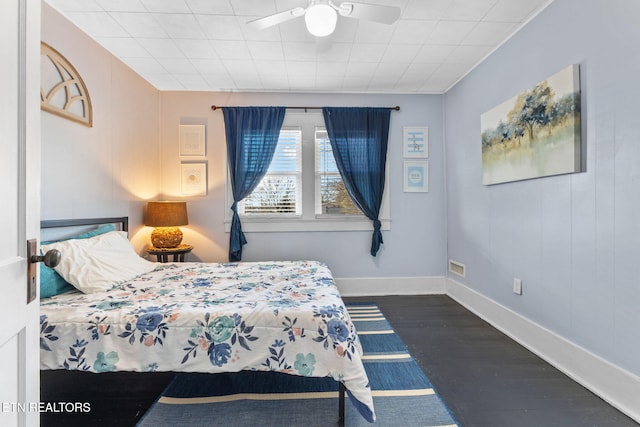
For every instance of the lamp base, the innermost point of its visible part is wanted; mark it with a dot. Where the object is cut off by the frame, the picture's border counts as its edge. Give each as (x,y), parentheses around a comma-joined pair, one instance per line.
(166,237)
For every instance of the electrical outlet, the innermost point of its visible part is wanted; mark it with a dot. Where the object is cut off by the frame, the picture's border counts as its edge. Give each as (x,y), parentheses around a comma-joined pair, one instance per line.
(517,286)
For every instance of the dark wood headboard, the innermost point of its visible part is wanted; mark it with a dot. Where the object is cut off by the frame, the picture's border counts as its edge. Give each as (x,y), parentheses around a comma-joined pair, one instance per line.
(55,223)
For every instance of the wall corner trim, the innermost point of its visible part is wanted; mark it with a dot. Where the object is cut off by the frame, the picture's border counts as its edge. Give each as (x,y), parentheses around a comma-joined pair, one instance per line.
(616,386)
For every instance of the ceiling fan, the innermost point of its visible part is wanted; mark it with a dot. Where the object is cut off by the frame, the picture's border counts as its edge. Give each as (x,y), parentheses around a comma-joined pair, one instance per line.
(321,16)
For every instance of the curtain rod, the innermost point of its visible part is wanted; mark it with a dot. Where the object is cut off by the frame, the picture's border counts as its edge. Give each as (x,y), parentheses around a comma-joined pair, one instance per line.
(218,107)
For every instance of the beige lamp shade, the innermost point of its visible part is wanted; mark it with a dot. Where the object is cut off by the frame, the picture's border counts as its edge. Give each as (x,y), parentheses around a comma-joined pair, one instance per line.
(166,216)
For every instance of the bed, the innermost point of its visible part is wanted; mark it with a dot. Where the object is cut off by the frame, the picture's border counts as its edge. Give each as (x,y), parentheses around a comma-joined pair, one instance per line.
(284,316)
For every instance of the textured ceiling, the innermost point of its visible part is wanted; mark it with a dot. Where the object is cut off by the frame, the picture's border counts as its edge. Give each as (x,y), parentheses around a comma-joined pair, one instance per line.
(205,45)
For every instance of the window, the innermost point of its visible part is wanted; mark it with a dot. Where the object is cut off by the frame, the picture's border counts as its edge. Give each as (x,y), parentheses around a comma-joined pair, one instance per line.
(279,191)
(331,194)
(302,190)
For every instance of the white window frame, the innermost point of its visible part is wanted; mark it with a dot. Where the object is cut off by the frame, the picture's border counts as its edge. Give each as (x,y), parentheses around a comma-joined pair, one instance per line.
(308,221)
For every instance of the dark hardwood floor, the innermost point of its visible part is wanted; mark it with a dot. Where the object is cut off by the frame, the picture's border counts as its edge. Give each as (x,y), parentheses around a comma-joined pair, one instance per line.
(485,378)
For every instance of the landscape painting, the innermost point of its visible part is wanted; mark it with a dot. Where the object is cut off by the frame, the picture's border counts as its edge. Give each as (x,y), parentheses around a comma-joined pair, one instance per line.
(534,134)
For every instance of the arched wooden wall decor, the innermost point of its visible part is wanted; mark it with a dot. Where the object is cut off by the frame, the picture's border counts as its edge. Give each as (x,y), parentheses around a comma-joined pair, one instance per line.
(62,91)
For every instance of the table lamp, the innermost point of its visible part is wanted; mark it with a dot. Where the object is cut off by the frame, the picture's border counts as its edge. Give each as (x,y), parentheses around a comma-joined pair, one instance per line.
(166,217)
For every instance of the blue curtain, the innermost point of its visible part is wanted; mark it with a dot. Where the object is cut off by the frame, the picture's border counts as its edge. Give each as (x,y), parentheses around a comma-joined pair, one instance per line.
(252,136)
(359,139)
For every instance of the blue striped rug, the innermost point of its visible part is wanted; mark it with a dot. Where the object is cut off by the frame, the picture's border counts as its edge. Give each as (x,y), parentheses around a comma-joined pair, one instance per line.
(402,394)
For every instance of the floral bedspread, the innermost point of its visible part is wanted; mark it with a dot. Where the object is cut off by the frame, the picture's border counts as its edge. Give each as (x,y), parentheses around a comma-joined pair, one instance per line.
(284,316)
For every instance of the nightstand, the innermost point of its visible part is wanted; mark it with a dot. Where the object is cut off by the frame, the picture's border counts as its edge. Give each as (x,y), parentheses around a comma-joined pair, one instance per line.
(162,254)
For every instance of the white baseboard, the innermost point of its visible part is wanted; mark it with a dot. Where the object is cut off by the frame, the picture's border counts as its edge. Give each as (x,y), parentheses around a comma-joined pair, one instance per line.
(618,387)
(377,286)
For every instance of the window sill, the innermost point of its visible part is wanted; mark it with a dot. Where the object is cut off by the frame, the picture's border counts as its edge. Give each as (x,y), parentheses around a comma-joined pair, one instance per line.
(278,225)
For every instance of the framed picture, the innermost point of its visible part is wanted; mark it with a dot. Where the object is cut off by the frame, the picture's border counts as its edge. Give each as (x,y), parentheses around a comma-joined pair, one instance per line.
(535,133)
(192,140)
(415,141)
(416,176)
(194,179)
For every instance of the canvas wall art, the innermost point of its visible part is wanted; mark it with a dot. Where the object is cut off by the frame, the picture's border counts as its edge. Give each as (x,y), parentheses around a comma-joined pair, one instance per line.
(534,134)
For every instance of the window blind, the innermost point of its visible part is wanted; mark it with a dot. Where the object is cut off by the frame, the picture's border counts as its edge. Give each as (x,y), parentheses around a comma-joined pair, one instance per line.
(279,191)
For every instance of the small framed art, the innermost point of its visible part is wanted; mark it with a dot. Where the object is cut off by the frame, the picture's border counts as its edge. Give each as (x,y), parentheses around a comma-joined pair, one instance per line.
(416,176)
(194,179)
(192,140)
(416,141)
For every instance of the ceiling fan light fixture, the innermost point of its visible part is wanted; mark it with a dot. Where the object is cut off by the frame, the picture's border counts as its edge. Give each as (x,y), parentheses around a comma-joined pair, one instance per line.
(321,20)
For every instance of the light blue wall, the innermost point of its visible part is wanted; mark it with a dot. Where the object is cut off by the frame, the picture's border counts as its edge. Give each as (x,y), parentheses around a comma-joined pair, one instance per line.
(414,247)
(574,240)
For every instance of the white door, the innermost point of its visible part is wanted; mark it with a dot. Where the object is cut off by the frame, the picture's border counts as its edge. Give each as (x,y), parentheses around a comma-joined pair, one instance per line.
(19,209)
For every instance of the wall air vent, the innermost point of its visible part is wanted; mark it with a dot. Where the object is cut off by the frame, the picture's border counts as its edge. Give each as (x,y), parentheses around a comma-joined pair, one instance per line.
(456,267)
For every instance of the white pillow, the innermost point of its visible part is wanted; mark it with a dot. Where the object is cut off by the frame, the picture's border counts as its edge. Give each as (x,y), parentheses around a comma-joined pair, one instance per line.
(95,264)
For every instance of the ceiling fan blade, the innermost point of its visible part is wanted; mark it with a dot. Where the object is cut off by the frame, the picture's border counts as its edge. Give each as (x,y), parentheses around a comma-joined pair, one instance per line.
(276,18)
(369,12)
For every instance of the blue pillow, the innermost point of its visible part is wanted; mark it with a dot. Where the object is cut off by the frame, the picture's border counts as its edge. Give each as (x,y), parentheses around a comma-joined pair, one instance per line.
(51,283)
